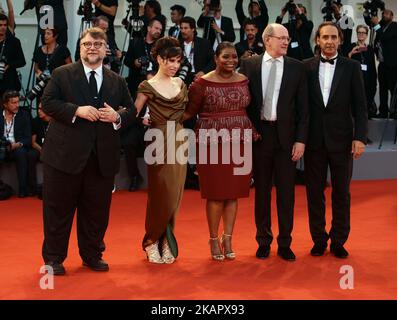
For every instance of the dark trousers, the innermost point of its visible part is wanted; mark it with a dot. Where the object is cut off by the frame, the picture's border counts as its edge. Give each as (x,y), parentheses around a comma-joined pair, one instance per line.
(88,192)
(387,83)
(131,158)
(268,159)
(25,160)
(316,167)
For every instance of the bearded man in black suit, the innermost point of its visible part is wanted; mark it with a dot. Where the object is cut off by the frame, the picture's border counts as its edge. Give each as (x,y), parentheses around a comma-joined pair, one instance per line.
(88,104)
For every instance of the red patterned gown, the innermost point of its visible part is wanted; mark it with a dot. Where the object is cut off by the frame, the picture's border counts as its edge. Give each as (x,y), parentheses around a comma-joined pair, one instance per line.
(221,106)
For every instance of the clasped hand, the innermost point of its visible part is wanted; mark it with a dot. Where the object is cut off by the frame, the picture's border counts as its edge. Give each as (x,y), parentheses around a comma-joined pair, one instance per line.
(105,114)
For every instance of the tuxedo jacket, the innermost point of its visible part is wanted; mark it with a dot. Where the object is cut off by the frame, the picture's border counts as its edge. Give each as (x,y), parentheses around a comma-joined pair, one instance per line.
(68,143)
(344,118)
(209,32)
(22,127)
(292,107)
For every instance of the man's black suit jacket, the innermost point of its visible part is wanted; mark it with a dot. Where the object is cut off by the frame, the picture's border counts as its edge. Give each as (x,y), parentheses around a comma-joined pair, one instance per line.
(292,107)
(226,26)
(344,119)
(203,55)
(68,144)
(22,127)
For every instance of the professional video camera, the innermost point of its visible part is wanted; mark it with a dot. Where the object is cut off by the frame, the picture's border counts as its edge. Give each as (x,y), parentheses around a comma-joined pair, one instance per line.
(329,10)
(3,62)
(86,10)
(371,7)
(28,5)
(186,68)
(290,7)
(145,62)
(38,89)
(133,22)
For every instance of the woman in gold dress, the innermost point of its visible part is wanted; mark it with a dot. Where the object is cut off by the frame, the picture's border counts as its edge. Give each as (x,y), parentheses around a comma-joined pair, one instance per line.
(166,97)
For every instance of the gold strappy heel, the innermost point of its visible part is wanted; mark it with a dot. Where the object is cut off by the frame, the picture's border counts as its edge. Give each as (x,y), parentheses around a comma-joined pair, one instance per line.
(217,257)
(153,254)
(229,255)
(166,253)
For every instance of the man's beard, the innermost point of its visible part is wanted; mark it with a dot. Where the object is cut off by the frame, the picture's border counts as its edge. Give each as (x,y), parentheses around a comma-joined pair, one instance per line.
(91,60)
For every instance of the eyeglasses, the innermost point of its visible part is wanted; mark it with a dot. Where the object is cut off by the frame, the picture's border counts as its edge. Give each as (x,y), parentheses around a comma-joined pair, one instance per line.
(362,32)
(88,45)
(288,39)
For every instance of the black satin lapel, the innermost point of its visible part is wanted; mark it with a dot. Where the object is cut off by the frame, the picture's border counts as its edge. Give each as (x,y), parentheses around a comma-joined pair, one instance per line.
(337,77)
(316,81)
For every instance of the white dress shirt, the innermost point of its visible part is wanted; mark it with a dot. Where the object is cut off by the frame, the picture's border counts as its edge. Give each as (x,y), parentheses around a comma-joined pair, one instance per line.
(99,80)
(326,75)
(266,65)
(98,75)
(219,24)
(188,49)
(9,128)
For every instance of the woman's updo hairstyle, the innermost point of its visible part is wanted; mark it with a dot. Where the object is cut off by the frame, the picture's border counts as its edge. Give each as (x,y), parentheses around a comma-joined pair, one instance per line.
(166,48)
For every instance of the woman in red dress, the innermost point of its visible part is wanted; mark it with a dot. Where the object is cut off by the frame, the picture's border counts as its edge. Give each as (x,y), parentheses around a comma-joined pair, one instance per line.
(220,98)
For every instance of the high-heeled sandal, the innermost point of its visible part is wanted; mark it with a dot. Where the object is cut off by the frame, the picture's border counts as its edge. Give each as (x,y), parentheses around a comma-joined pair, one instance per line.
(153,254)
(166,253)
(228,255)
(217,257)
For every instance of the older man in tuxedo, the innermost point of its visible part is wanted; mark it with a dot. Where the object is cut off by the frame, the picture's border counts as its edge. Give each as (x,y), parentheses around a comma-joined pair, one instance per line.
(279,112)
(337,135)
(88,104)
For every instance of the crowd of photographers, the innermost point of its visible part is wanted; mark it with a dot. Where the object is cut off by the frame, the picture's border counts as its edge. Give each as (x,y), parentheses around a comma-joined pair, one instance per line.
(22,138)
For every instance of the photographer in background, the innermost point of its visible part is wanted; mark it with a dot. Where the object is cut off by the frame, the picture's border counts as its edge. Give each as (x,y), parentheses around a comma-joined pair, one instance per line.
(197,51)
(258,12)
(113,54)
(217,28)
(107,8)
(138,58)
(177,13)
(365,54)
(60,22)
(386,46)
(50,55)
(15,127)
(251,46)
(11,16)
(299,29)
(151,10)
(11,58)
(347,31)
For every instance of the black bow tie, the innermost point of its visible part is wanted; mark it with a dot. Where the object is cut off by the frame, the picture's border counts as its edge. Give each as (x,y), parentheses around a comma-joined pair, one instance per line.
(330,61)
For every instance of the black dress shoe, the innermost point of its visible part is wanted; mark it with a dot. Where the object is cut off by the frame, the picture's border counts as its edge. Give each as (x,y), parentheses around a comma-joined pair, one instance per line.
(286,254)
(318,250)
(57,268)
(263,252)
(136,182)
(339,251)
(96,265)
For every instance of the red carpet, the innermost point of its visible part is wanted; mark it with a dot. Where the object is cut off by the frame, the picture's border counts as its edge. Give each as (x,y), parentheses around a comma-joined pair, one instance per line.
(372,246)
